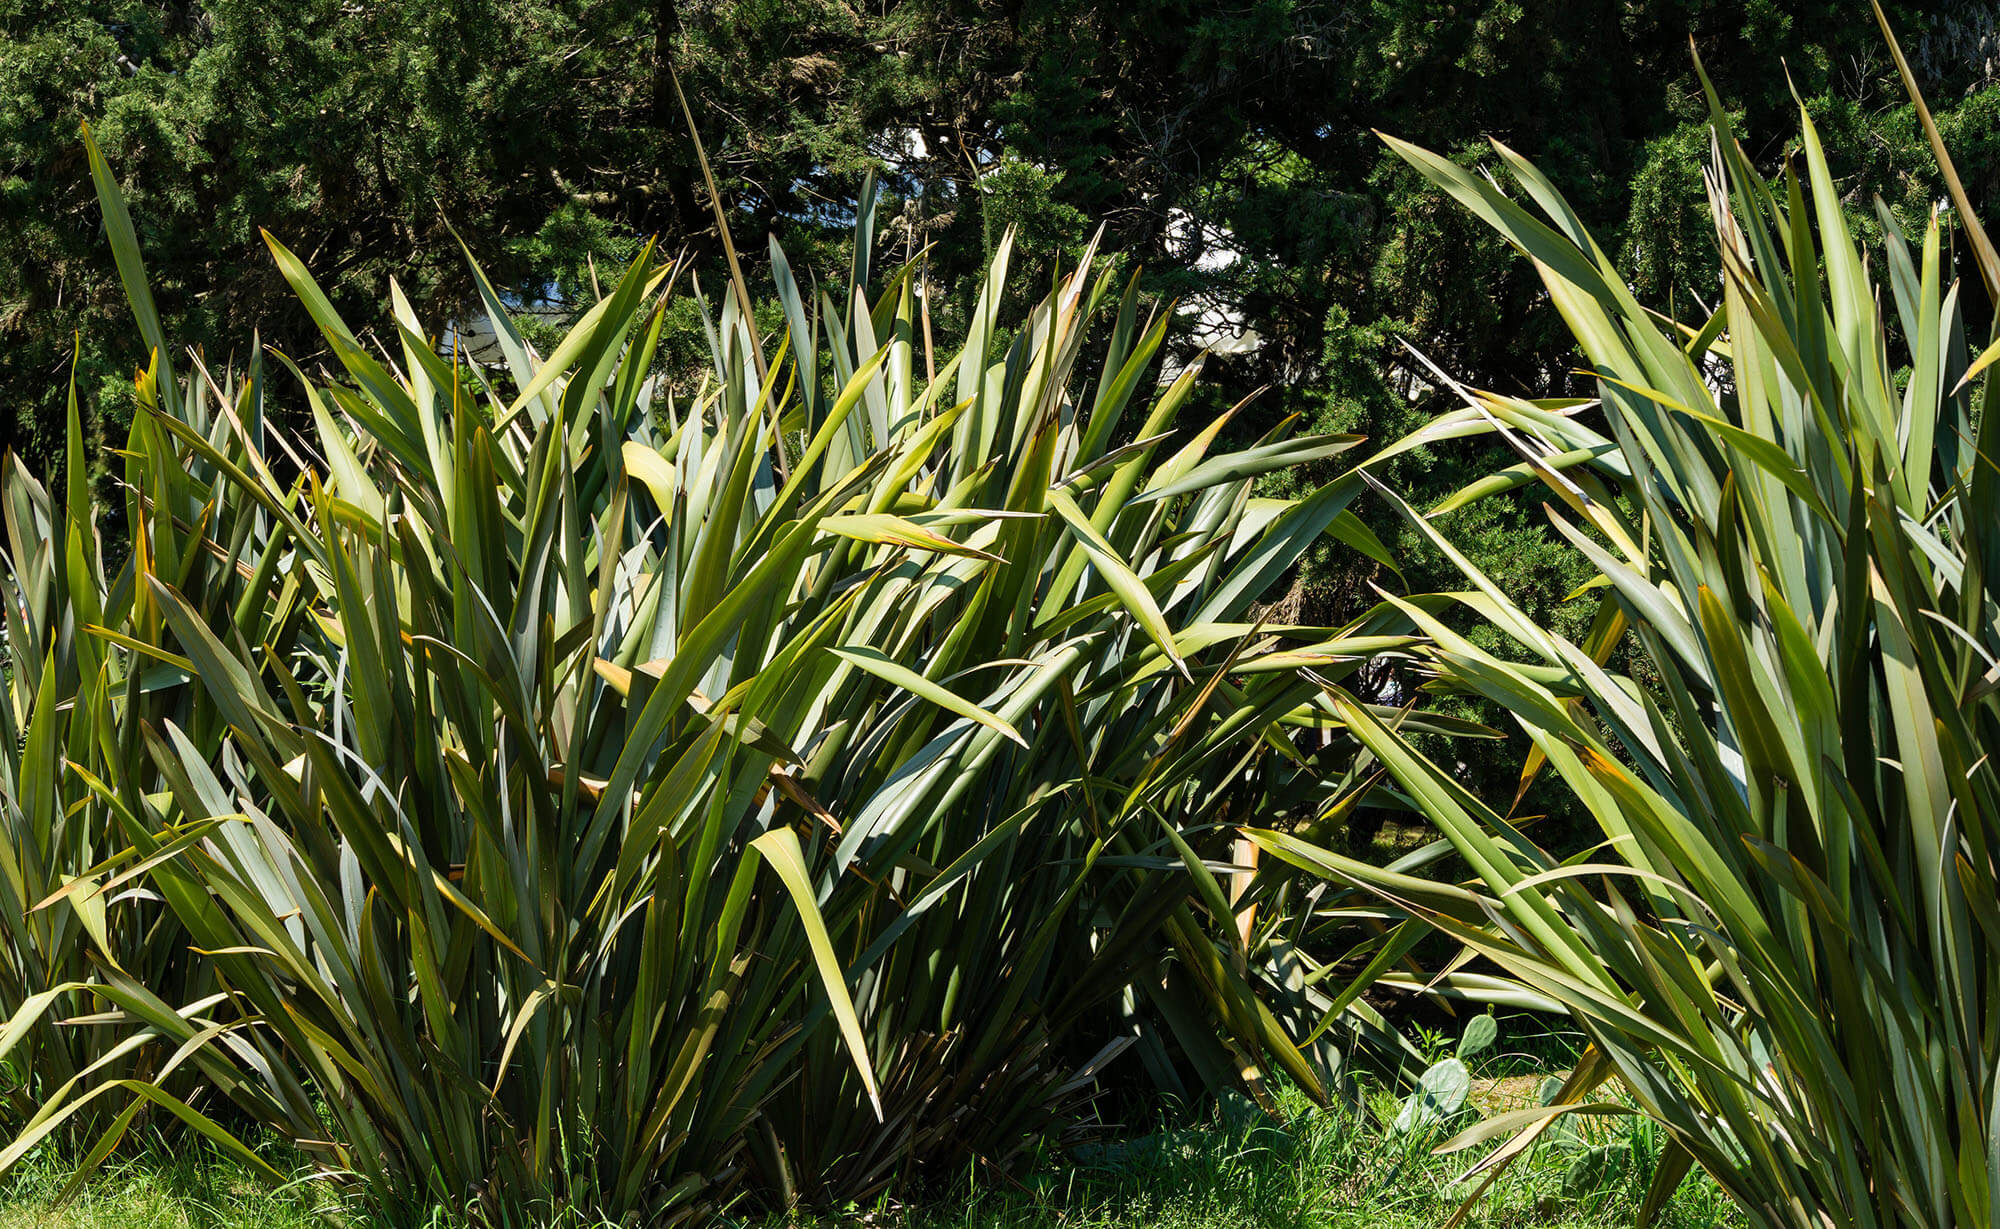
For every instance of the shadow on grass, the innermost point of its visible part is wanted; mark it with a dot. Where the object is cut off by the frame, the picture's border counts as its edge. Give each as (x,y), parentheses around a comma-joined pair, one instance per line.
(1321,1169)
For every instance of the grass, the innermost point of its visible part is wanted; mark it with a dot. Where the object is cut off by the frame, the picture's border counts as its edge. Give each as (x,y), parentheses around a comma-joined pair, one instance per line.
(1229,1169)
(164,1188)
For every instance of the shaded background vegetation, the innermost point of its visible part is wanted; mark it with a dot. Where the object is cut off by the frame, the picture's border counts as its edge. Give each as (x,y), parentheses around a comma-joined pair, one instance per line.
(1226,147)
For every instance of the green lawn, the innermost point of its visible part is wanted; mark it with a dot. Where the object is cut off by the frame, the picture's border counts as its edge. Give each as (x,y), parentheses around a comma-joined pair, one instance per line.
(1226,1172)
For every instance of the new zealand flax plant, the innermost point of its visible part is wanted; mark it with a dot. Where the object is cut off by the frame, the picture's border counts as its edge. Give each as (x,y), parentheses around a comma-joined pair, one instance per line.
(84,694)
(529,792)
(1787,945)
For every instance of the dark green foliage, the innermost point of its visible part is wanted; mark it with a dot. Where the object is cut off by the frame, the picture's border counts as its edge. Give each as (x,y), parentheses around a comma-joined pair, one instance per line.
(547,131)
